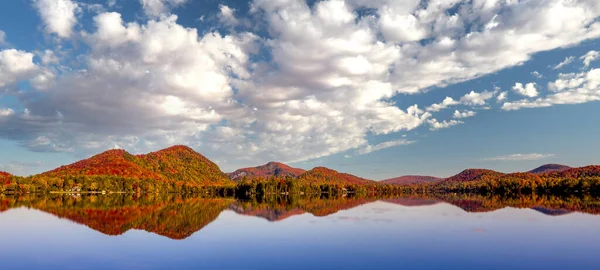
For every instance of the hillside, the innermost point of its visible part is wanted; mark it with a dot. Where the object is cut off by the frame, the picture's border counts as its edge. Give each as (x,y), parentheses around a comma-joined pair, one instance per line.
(411,179)
(470,175)
(177,164)
(182,163)
(549,168)
(587,171)
(322,175)
(115,162)
(270,169)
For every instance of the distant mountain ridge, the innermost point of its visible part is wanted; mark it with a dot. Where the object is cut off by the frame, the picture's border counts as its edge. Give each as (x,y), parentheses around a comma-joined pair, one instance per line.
(276,169)
(411,179)
(470,175)
(549,168)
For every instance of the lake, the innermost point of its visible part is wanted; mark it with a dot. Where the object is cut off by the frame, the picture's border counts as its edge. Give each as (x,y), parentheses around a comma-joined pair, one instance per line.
(178,232)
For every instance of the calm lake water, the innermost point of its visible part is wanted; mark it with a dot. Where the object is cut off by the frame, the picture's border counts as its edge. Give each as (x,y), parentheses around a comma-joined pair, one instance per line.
(120,232)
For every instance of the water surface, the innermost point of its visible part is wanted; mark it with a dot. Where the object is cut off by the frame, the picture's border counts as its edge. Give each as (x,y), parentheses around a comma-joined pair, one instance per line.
(174,232)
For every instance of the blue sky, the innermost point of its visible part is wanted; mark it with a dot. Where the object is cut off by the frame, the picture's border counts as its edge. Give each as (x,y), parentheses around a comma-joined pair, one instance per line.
(374,88)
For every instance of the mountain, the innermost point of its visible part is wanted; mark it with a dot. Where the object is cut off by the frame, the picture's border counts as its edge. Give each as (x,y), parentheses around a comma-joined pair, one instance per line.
(322,175)
(549,168)
(174,164)
(270,169)
(411,179)
(184,164)
(469,175)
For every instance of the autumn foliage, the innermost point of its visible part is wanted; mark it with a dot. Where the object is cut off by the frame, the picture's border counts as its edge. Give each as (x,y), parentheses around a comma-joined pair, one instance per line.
(5,178)
(411,179)
(320,175)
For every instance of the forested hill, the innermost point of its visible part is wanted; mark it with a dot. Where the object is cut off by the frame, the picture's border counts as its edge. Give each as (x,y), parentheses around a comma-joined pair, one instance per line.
(320,175)
(178,165)
(549,168)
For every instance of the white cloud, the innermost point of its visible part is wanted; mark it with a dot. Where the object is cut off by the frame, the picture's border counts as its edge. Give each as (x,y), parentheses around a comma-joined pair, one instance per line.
(471,99)
(15,65)
(565,62)
(374,148)
(2,37)
(520,157)
(227,16)
(477,99)
(528,90)
(48,57)
(458,53)
(447,102)
(59,16)
(464,114)
(435,125)
(155,8)
(573,88)
(502,96)
(589,57)
(537,74)
(6,112)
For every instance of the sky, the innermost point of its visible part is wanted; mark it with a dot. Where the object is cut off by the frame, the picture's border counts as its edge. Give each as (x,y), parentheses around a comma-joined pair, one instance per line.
(376,88)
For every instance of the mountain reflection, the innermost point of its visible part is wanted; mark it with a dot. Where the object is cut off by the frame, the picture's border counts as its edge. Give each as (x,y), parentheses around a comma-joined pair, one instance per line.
(180,216)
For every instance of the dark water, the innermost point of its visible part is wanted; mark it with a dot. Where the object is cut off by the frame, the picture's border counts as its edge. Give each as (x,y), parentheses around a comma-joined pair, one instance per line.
(173,232)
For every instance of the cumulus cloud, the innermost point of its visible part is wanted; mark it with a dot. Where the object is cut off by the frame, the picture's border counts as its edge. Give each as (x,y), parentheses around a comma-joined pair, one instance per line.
(589,57)
(15,65)
(528,90)
(456,54)
(502,96)
(568,60)
(447,102)
(572,88)
(464,114)
(477,99)
(520,157)
(227,16)
(537,74)
(435,124)
(373,148)
(59,16)
(471,99)
(6,112)
(155,8)
(48,57)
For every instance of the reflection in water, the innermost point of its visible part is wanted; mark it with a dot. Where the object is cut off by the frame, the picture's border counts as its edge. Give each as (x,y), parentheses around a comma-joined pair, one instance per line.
(173,216)
(180,216)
